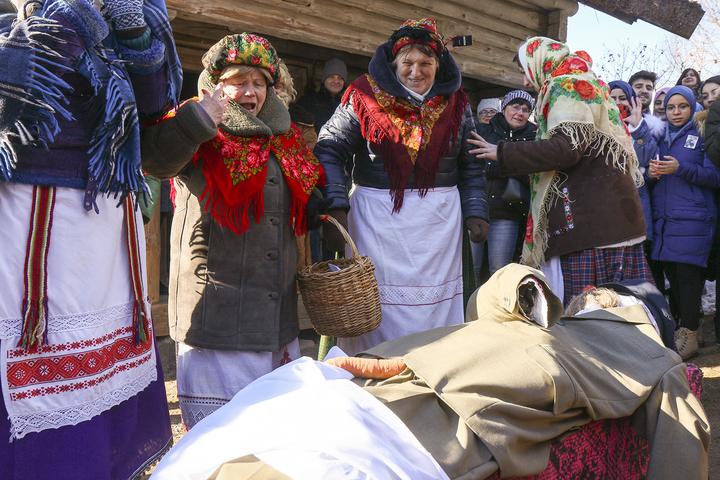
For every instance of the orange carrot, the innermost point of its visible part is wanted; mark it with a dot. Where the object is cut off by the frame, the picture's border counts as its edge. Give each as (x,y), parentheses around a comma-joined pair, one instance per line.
(378,369)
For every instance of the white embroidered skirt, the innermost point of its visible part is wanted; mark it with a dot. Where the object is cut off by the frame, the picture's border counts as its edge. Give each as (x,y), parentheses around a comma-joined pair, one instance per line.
(207,378)
(91,362)
(418,260)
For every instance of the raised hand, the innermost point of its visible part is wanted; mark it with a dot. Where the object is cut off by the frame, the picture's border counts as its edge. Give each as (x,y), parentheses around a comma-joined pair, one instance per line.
(214,103)
(635,116)
(485,150)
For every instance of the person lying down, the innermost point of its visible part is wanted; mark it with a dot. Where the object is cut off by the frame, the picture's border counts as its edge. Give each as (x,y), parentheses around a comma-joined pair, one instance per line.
(469,401)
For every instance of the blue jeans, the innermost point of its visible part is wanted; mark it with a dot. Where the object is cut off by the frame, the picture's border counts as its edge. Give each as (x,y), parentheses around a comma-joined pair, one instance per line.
(501,242)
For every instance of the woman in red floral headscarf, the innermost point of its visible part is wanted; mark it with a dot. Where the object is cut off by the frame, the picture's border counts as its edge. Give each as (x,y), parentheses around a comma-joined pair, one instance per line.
(586,223)
(243,183)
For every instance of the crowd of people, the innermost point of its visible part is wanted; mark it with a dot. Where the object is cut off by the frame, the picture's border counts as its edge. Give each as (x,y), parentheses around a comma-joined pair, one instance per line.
(573,176)
(674,136)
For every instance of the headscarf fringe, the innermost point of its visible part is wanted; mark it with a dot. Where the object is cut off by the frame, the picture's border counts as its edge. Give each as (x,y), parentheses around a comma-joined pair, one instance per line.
(584,136)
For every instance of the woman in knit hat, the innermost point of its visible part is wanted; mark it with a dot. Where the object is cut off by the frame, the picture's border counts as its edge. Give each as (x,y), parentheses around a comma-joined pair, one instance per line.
(487,108)
(401,131)
(585,225)
(243,179)
(508,206)
(684,212)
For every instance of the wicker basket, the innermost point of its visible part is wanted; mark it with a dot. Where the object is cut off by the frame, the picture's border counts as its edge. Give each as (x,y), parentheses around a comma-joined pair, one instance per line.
(344,303)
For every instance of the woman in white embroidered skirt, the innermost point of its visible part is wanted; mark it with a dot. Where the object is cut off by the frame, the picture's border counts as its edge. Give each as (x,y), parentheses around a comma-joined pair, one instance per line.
(401,130)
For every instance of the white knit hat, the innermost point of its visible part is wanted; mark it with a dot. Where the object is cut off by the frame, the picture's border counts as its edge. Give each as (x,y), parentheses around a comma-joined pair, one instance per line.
(493,103)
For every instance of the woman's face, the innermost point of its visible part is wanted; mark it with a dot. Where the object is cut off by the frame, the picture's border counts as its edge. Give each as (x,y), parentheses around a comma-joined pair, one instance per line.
(678,110)
(517,114)
(619,97)
(334,84)
(659,106)
(249,90)
(486,114)
(690,79)
(416,70)
(710,93)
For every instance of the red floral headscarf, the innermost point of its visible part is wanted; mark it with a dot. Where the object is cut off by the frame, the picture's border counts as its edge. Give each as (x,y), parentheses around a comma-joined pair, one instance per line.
(418,32)
(572,101)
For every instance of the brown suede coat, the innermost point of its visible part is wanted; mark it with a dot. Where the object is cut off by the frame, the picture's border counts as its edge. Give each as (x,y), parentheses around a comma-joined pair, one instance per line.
(602,207)
(227,291)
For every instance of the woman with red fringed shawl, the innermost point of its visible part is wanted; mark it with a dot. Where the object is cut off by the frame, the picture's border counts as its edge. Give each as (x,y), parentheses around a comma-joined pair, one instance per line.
(243,186)
(401,130)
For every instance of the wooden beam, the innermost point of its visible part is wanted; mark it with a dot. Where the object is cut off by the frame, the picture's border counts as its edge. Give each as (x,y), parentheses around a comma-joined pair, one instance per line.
(479,16)
(484,29)
(200,24)
(570,7)
(557,25)
(680,17)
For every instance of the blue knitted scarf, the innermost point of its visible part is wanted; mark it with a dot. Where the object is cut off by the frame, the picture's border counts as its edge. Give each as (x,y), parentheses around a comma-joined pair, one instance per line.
(32,91)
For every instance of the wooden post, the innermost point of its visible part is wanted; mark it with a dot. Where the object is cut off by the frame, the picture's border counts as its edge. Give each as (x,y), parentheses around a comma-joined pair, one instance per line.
(152,245)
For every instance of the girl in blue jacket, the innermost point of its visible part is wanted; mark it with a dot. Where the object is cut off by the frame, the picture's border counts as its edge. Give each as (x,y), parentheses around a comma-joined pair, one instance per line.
(684,212)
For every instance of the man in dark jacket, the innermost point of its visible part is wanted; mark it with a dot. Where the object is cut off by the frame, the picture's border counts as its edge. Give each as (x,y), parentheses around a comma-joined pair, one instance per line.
(508,197)
(324,102)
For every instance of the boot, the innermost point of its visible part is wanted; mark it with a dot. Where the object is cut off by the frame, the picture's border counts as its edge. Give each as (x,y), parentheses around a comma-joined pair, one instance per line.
(686,342)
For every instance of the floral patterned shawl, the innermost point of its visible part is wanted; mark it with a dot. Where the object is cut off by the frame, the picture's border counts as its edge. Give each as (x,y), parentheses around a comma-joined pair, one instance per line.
(572,101)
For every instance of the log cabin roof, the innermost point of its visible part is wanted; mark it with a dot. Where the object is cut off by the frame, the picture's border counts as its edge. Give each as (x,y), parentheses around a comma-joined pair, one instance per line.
(357,27)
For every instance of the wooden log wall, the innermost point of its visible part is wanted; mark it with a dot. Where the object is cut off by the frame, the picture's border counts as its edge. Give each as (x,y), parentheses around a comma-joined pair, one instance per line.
(357,27)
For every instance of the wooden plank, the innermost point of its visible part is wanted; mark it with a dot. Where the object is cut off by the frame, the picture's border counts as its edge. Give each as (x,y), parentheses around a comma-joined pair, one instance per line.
(282,23)
(152,266)
(680,17)
(473,15)
(161,325)
(480,27)
(570,7)
(481,61)
(557,25)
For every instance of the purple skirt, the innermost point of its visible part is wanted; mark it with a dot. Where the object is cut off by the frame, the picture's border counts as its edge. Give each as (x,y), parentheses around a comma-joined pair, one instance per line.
(115,445)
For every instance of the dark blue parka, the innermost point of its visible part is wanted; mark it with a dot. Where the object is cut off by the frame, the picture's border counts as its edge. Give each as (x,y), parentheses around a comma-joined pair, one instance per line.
(343,151)
(684,210)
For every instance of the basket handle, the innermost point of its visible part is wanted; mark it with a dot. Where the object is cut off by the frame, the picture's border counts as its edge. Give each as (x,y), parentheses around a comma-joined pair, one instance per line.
(345,234)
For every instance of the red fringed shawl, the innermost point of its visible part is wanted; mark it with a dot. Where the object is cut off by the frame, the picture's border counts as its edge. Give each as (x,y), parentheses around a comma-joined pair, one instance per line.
(235,169)
(410,139)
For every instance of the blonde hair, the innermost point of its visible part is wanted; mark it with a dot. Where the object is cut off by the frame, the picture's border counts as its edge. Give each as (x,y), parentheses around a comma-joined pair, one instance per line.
(285,87)
(602,297)
(241,70)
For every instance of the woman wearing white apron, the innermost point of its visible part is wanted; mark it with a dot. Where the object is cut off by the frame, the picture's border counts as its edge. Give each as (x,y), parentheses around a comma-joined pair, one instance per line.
(401,130)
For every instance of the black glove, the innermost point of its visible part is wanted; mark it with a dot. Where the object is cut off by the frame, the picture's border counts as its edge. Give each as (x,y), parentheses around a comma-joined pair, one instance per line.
(316,207)
(479,229)
(334,241)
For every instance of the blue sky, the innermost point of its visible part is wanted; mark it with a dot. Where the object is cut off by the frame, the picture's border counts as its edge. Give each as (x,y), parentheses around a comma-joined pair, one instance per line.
(590,30)
(598,33)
